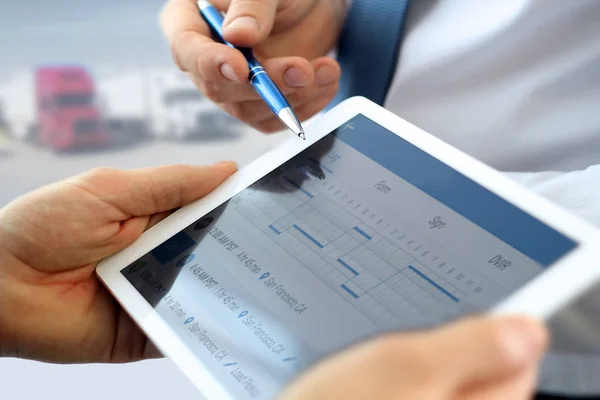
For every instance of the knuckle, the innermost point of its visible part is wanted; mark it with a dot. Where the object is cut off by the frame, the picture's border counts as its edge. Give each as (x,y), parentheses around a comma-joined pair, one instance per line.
(199,83)
(212,91)
(100,177)
(181,41)
(101,173)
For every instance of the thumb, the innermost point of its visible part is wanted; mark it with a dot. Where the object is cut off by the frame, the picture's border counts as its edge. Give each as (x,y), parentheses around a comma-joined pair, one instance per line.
(480,349)
(249,22)
(149,191)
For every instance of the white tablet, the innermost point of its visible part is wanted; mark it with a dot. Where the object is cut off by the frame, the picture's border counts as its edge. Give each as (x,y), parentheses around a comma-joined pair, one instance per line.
(369,225)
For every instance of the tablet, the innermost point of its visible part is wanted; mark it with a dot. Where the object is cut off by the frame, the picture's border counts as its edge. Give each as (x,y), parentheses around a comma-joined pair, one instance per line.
(370,225)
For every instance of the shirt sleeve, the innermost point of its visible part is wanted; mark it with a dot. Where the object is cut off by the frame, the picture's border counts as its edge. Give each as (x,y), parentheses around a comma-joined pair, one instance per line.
(574,333)
(577,191)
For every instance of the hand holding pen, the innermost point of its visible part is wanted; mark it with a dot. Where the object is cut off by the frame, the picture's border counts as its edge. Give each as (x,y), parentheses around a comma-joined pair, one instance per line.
(258,77)
(222,73)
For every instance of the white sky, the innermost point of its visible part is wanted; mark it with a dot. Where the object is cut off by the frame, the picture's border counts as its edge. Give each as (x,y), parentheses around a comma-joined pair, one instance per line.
(119,33)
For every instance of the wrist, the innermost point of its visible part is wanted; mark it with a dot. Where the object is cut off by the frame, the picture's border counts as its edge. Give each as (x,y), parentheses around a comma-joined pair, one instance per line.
(9,268)
(338,9)
(5,306)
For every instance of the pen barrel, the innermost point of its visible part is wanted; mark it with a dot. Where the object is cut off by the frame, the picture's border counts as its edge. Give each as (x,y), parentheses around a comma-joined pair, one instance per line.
(267,89)
(215,22)
(264,86)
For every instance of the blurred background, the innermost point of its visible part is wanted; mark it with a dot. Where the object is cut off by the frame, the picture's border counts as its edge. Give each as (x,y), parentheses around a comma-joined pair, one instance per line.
(85,84)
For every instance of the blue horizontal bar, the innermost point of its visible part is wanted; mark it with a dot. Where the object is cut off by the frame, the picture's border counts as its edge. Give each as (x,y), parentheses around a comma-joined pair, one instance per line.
(349,268)
(274,229)
(438,287)
(321,165)
(312,239)
(363,233)
(350,292)
(294,184)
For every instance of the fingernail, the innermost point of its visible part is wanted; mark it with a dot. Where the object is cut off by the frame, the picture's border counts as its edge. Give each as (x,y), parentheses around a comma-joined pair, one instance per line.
(326,76)
(224,163)
(523,340)
(225,168)
(229,73)
(295,78)
(245,23)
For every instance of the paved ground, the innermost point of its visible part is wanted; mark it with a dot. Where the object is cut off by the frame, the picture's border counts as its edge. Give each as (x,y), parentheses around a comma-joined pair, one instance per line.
(24,168)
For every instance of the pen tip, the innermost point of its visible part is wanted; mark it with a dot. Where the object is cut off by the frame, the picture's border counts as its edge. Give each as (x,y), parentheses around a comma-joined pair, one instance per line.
(302,135)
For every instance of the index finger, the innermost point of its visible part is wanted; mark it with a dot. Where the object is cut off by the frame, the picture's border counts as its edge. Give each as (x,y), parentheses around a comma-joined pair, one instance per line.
(193,49)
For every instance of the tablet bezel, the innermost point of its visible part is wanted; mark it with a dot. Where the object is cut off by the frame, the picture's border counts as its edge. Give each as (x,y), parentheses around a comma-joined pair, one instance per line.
(574,268)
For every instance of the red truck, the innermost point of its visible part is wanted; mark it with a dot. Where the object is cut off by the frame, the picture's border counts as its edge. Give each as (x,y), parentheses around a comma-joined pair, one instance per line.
(67,114)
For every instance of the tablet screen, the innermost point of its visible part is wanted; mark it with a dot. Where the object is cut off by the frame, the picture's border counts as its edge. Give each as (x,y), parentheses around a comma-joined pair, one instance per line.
(360,234)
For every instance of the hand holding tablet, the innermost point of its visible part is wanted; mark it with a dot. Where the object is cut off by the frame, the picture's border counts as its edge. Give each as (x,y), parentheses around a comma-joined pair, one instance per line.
(307,251)
(370,226)
(471,359)
(53,308)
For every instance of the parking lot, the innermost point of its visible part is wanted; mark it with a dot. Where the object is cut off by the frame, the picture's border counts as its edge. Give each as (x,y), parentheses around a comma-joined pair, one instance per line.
(24,167)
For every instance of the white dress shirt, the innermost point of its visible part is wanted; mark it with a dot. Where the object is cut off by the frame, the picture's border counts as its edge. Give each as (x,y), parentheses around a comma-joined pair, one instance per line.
(516,84)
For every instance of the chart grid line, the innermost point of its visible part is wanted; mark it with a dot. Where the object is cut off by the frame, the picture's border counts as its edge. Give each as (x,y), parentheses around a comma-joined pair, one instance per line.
(326,229)
(309,237)
(441,289)
(349,268)
(349,291)
(274,229)
(362,233)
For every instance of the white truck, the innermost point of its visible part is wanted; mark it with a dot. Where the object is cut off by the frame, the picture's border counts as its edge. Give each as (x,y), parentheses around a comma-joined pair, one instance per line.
(124,104)
(162,101)
(5,145)
(17,96)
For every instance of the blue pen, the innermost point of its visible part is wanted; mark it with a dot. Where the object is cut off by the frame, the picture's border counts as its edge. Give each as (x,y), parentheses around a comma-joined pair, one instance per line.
(265,87)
